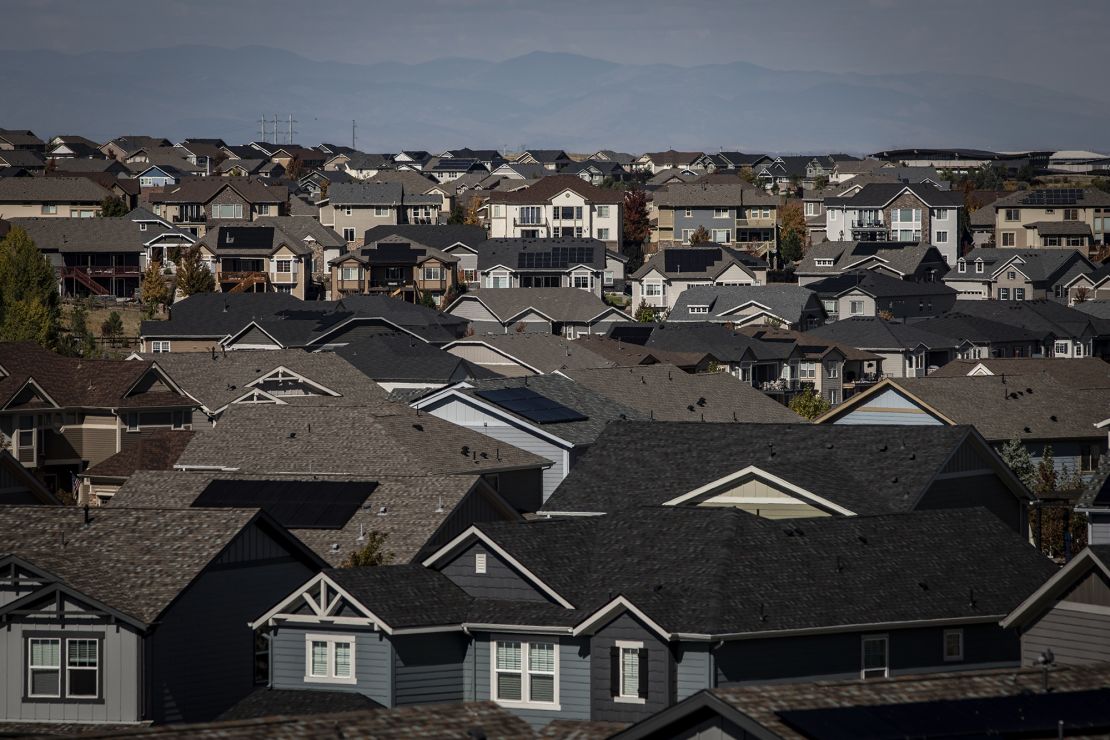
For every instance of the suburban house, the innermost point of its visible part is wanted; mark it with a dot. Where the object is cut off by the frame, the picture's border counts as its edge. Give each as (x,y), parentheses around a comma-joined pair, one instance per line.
(512,613)
(737,215)
(548,263)
(1062,331)
(24,159)
(551,159)
(656,162)
(394,266)
(54,197)
(404,366)
(451,169)
(1067,617)
(667,273)
(353,208)
(516,355)
(872,292)
(908,349)
(158,449)
(20,139)
(741,305)
(1040,410)
(191,204)
(975,337)
(1090,286)
(560,206)
(550,416)
(109,614)
(1052,217)
(986,273)
(60,414)
(257,257)
(454,240)
(898,212)
(569,312)
(596,173)
(123,147)
(489,158)
(920,263)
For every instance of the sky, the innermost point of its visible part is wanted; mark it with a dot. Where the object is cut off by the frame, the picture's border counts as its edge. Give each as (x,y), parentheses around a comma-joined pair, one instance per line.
(1019,40)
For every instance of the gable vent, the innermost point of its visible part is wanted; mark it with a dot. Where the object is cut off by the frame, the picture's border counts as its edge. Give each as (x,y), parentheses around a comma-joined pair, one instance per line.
(480,562)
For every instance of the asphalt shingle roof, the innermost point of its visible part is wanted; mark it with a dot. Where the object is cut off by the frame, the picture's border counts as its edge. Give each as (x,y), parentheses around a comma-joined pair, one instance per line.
(789,302)
(51,190)
(548,187)
(873,333)
(558,304)
(69,235)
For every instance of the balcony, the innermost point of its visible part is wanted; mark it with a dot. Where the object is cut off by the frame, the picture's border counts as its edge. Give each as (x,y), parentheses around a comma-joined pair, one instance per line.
(528,223)
(190,218)
(284,278)
(868,224)
(244,282)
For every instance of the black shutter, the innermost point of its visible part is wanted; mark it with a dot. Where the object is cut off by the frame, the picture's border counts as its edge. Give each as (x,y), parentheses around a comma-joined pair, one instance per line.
(614,671)
(643,693)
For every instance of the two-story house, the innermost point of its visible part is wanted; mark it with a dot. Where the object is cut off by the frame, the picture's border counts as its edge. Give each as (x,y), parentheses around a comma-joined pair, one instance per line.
(550,159)
(779,305)
(53,197)
(919,263)
(667,273)
(545,263)
(352,208)
(569,312)
(872,293)
(257,257)
(656,162)
(191,204)
(987,273)
(899,212)
(1052,217)
(396,266)
(732,215)
(559,206)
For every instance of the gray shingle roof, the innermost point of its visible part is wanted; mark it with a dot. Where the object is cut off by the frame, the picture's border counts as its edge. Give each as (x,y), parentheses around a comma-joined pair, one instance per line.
(719,258)
(559,304)
(1037,264)
(879,194)
(69,235)
(544,352)
(903,258)
(435,236)
(267,702)
(399,357)
(788,302)
(878,285)
(51,190)
(706,195)
(873,333)
(552,253)
(1042,316)
(365,194)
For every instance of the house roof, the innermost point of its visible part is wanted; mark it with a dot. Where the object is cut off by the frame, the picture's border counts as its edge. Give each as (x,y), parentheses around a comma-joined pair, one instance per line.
(708,195)
(337,439)
(880,194)
(694,262)
(671,157)
(620,353)
(268,702)
(666,176)
(22,158)
(787,302)
(51,190)
(865,469)
(529,255)
(1089,372)
(873,333)
(234,237)
(365,194)
(1038,265)
(548,187)
(1060,228)
(960,327)
(716,340)
(436,236)
(666,393)
(97,235)
(20,137)
(1054,197)
(204,189)
(877,285)
(900,257)
(1099,309)
(545,353)
(1041,315)
(155,449)
(558,304)
(400,357)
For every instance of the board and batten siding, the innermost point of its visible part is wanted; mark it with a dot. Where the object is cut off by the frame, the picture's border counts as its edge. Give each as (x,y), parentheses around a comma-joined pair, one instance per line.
(428,668)
(660,671)
(500,581)
(573,677)
(120,651)
(465,413)
(889,407)
(764,500)
(373,661)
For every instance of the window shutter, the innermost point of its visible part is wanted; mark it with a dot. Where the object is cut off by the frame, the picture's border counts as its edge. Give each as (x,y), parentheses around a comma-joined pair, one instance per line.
(643,693)
(614,671)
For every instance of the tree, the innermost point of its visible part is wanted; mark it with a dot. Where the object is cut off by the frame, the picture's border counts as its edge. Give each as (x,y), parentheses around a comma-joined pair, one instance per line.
(113,207)
(700,236)
(112,328)
(458,216)
(808,404)
(644,313)
(637,226)
(372,554)
(192,274)
(471,217)
(821,182)
(794,232)
(790,248)
(154,292)
(1017,458)
(82,339)
(29,305)
(747,174)
(295,168)
(427,300)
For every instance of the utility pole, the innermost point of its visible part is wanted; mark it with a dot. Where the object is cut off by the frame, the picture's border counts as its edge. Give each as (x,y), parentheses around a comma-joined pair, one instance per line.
(262,127)
(275,128)
(353,127)
(291,130)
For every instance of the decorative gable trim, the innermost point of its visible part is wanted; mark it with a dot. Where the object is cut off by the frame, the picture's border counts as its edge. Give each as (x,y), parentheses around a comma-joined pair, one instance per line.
(325,598)
(606,613)
(1082,564)
(38,391)
(280,369)
(752,471)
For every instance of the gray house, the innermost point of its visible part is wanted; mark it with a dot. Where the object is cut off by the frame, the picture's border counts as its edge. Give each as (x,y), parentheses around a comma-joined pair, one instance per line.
(610,618)
(742,305)
(136,615)
(569,312)
(870,293)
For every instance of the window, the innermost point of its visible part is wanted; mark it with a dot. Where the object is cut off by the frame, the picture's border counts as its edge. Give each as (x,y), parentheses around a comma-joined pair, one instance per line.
(497,211)
(1011,275)
(133,422)
(283,266)
(227,210)
(874,657)
(699,309)
(470,276)
(1079,349)
(1003,294)
(433,273)
(480,563)
(1088,458)
(630,659)
(856,308)
(811,208)
(941,214)
(381,211)
(961,266)
(653,289)
(1052,241)
(823,262)
(583,281)
(1011,214)
(263,209)
(261,657)
(978,265)
(556,232)
(178,419)
(1019,294)
(531,215)
(832,370)
(722,236)
(329,659)
(577,232)
(1061,348)
(44,667)
(603,211)
(942,237)
(347,210)
(499,280)
(686,234)
(720,213)
(348,234)
(689,213)
(159,347)
(953,645)
(524,673)
(603,234)
(82,669)
(1009,238)
(834,397)
(1071,214)
(49,209)
(349,273)
(608,278)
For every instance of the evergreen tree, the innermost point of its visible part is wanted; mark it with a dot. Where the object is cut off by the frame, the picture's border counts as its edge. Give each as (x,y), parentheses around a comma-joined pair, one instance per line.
(795,233)
(29,304)
(112,207)
(154,292)
(1017,457)
(192,275)
(112,328)
(83,341)
(644,314)
(373,553)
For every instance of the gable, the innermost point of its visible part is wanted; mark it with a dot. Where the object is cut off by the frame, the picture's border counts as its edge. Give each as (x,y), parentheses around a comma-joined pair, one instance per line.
(30,395)
(500,581)
(889,406)
(761,493)
(472,309)
(734,274)
(1093,589)
(284,382)
(254,338)
(150,382)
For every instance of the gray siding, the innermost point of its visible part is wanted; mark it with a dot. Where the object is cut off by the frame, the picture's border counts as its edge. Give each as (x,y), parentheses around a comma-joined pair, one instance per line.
(373,661)
(574,678)
(889,407)
(500,581)
(474,311)
(693,669)
(428,668)
(1075,637)
(986,490)
(255,337)
(1099,528)
(660,671)
(713,728)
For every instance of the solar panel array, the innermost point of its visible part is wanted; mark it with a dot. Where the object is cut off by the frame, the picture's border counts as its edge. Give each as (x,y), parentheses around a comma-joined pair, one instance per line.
(294,504)
(246,237)
(1053,197)
(531,405)
(689,260)
(555,258)
(397,252)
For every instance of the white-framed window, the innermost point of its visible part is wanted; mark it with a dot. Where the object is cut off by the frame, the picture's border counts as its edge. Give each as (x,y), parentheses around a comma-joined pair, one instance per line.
(480,563)
(1071,214)
(263,209)
(497,210)
(630,679)
(348,233)
(953,645)
(577,232)
(227,210)
(603,212)
(720,213)
(583,281)
(1061,348)
(653,289)
(329,658)
(824,262)
(607,278)
(498,280)
(722,236)
(978,265)
(283,266)
(1080,349)
(699,309)
(603,234)
(874,656)
(556,232)
(82,668)
(1019,294)
(349,273)
(531,215)
(961,266)
(134,422)
(942,214)
(433,273)
(347,210)
(686,234)
(832,369)
(1003,294)
(1012,214)
(942,237)
(1011,275)
(689,213)
(160,346)
(1009,238)
(812,208)
(525,674)
(44,667)
(834,396)
(381,211)
(49,209)
(855,308)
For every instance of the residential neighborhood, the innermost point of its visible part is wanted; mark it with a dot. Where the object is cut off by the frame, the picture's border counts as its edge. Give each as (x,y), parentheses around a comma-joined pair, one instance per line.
(588,406)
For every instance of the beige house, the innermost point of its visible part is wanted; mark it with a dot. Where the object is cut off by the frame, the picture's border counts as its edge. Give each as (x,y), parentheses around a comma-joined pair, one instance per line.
(191,204)
(1072,218)
(557,207)
(667,273)
(257,258)
(60,197)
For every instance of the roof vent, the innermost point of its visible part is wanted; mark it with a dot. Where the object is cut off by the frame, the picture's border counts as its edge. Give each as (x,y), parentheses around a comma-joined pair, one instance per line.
(335,547)
(418,427)
(383,511)
(828,445)
(924,586)
(292,435)
(690,408)
(1028,430)
(1053,417)
(701,401)
(862,539)
(466,450)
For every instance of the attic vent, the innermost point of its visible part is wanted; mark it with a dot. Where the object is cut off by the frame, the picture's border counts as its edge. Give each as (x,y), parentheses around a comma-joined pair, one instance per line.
(479,563)
(701,401)
(466,450)
(924,586)
(828,445)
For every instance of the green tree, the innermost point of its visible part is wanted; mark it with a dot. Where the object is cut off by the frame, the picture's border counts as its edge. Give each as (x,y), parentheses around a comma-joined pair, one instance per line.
(372,554)
(192,274)
(82,339)
(644,313)
(112,327)
(29,304)
(700,236)
(113,207)
(458,216)
(1018,459)
(808,404)
(427,300)
(794,232)
(821,182)
(154,292)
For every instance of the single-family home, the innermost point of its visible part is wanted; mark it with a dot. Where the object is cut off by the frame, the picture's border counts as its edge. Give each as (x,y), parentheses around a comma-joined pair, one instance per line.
(582,263)
(872,292)
(666,274)
(392,265)
(191,204)
(907,349)
(1052,217)
(916,212)
(655,162)
(742,305)
(569,312)
(551,159)
(53,197)
(915,262)
(986,273)
(257,257)
(559,206)
(731,214)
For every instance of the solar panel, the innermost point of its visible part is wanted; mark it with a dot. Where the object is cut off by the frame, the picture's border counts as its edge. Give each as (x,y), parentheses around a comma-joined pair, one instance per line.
(555,258)
(1053,197)
(246,237)
(295,504)
(531,405)
(397,252)
(689,260)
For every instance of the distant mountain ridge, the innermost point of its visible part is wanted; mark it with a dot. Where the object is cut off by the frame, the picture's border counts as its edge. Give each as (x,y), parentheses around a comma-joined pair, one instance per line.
(540,100)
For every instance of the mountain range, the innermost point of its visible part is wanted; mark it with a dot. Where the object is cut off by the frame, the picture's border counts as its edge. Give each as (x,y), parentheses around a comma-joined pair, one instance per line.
(540,100)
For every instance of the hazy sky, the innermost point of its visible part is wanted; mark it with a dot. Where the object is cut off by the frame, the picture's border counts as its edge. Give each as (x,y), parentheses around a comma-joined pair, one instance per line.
(1012,39)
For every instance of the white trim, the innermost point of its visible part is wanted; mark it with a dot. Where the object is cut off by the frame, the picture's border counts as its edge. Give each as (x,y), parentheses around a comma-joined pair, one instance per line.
(752,470)
(615,606)
(295,374)
(622,697)
(478,343)
(525,672)
(295,597)
(863,670)
(230,339)
(492,410)
(944,645)
(473,531)
(330,640)
(1050,588)
(360,319)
